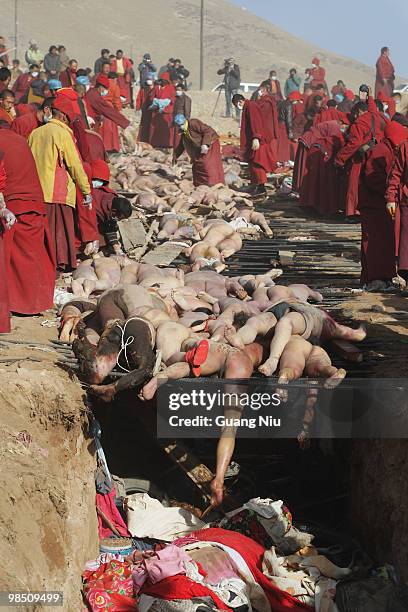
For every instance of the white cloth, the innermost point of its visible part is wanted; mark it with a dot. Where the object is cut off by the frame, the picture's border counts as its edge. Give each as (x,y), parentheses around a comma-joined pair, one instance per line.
(147,518)
(242,223)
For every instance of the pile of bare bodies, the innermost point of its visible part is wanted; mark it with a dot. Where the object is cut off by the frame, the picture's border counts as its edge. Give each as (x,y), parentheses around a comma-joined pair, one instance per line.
(209,220)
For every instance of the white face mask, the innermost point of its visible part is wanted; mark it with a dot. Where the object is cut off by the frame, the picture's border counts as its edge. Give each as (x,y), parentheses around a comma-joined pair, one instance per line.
(274,78)
(104,93)
(34,74)
(179,93)
(149,82)
(96,183)
(47,118)
(314,65)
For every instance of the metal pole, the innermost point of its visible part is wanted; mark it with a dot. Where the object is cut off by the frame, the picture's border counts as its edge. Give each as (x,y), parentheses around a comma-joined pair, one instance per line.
(16,28)
(202,46)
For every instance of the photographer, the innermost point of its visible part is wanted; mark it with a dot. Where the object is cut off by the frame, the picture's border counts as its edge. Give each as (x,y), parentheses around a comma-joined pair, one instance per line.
(146,67)
(179,73)
(232,83)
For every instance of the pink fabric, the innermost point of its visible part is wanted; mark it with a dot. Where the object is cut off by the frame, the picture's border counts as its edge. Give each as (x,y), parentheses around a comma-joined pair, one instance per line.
(158,565)
(106,503)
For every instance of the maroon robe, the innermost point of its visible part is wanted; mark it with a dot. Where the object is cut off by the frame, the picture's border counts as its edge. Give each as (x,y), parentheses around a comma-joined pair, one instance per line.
(377,228)
(98,108)
(207,169)
(255,124)
(86,227)
(4,297)
(30,266)
(103,198)
(365,128)
(25,124)
(161,126)
(21,87)
(143,102)
(124,80)
(385,72)
(67,78)
(397,191)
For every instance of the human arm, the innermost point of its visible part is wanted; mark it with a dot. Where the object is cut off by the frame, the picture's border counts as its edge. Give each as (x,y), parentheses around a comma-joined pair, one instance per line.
(73,163)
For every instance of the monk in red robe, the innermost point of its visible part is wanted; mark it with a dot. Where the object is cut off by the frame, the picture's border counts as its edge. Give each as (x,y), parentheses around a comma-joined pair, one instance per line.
(30,268)
(318,187)
(318,75)
(202,144)
(7,112)
(68,76)
(162,107)
(364,133)
(25,124)
(22,85)
(385,75)
(143,103)
(4,226)
(97,107)
(396,196)
(378,237)
(257,134)
(122,66)
(109,207)
(109,130)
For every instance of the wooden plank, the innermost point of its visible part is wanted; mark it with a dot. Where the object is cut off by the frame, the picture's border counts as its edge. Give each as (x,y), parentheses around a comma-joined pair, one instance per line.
(346,350)
(164,254)
(132,232)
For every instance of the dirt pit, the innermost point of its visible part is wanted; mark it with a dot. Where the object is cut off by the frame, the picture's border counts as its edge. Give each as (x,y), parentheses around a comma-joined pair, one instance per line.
(48,525)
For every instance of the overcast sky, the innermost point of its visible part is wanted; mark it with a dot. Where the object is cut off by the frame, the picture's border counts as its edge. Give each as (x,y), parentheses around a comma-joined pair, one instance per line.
(356,28)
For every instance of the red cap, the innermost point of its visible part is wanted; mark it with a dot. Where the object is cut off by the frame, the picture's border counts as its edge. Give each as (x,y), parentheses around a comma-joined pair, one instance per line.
(64,106)
(100,170)
(295,95)
(103,80)
(395,132)
(349,95)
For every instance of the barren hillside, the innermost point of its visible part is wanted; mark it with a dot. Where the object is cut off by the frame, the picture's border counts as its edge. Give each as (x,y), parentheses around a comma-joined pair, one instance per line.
(171,28)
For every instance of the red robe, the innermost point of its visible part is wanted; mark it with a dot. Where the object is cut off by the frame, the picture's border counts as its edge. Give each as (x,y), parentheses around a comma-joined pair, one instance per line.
(397,191)
(253,553)
(25,124)
(98,108)
(377,227)
(86,227)
(4,297)
(330,114)
(67,78)
(385,71)
(30,267)
(102,199)
(254,124)
(312,167)
(5,116)
(318,75)
(21,87)
(365,128)
(143,101)
(124,80)
(161,126)
(109,130)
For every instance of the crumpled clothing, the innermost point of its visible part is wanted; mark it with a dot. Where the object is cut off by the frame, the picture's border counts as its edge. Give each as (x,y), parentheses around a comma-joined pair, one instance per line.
(197,604)
(148,518)
(242,223)
(182,587)
(106,503)
(269,523)
(110,588)
(209,261)
(159,105)
(155,566)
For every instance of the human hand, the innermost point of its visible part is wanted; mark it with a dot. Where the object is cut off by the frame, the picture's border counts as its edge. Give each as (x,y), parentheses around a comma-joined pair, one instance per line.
(391,208)
(88,201)
(8,217)
(255,144)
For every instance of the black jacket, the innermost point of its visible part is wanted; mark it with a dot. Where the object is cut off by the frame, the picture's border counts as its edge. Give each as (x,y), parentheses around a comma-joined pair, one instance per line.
(232,76)
(286,115)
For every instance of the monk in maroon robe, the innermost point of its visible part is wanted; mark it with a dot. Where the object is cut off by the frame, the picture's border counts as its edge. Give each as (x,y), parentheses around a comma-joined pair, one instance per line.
(143,102)
(257,134)
(396,197)
(30,268)
(122,66)
(4,297)
(22,85)
(318,75)
(364,133)
(68,76)
(27,123)
(161,125)
(318,188)
(378,237)
(385,75)
(98,108)
(202,145)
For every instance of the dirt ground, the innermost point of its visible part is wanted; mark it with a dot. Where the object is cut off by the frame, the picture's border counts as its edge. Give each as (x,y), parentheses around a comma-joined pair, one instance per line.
(48,526)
